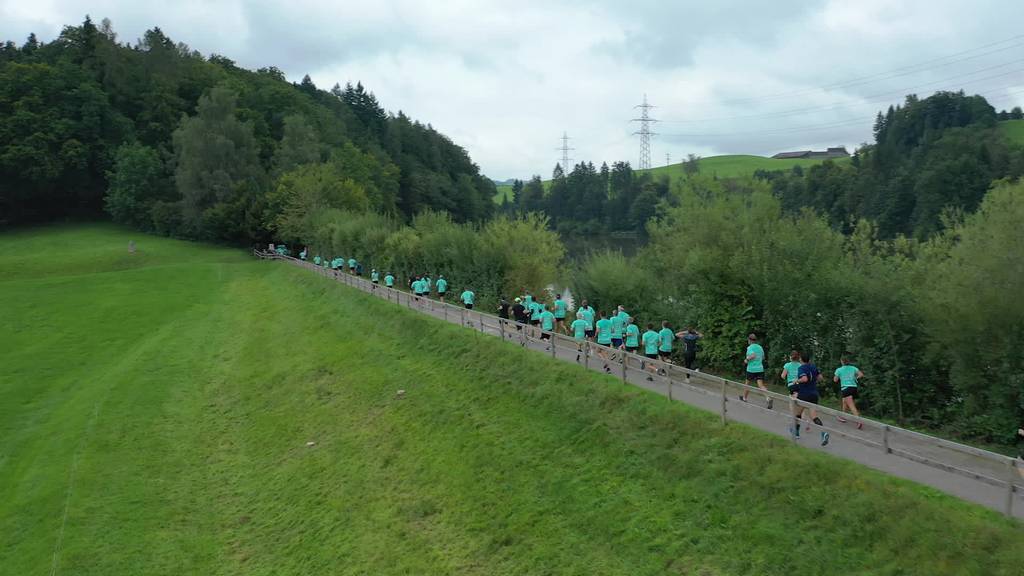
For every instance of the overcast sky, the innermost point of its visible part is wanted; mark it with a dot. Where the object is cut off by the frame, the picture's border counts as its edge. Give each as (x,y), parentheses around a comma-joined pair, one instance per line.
(505,79)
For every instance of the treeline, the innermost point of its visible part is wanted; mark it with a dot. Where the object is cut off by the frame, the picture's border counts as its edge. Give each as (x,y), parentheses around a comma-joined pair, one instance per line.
(935,325)
(502,257)
(170,141)
(928,156)
(590,201)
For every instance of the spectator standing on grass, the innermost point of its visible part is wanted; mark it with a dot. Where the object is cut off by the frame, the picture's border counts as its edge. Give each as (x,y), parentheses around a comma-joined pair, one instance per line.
(846,376)
(442,287)
(467,298)
(807,380)
(690,337)
(754,360)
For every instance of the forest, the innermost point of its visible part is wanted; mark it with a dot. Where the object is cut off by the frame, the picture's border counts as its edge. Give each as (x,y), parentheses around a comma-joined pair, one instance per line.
(169,141)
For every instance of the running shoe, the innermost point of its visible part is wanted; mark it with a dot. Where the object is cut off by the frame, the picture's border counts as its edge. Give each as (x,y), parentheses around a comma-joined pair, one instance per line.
(841,419)
(650,379)
(769,403)
(794,432)
(742,399)
(860,425)
(824,438)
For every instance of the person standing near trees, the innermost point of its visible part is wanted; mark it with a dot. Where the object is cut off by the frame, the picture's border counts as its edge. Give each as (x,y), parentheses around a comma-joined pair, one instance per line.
(807,380)
(846,376)
(560,310)
(604,338)
(690,337)
(442,287)
(651,341)
(467,298)
(754,360)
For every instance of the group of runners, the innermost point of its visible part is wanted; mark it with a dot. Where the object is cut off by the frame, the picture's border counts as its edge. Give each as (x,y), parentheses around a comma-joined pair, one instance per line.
(617,332)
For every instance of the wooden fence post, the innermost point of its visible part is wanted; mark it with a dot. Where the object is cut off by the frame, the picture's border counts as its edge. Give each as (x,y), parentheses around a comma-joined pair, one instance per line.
(724,420)
(885,439)
(1011,477)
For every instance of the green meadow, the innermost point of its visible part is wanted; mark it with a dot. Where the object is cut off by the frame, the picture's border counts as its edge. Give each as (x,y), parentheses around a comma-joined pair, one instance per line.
(190,410)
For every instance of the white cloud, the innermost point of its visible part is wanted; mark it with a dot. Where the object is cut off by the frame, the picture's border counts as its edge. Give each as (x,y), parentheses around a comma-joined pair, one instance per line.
(504,79)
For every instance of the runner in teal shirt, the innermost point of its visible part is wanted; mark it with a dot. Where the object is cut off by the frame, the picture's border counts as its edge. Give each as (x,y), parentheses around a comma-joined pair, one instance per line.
(754,359)
(616,331)
(667,336)
(374,276)
(603,328)
(651,340)
(467,298)
(442,287)
(389,280)
(632,336)
(547,320)
(846,376)
(316,260)
(351,264)
(588,315)
(579,328)
(790,372)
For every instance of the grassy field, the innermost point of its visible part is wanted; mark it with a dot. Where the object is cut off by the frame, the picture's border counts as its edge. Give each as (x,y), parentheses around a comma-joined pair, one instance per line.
(1014,130)
(157,409)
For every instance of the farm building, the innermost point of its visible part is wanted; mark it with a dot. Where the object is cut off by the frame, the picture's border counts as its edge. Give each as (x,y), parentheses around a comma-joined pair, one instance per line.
(837,152)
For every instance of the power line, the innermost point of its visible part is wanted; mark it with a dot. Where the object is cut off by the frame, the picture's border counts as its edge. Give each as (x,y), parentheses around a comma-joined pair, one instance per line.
(865,100)
(645,133)
(886,75)
(565,149)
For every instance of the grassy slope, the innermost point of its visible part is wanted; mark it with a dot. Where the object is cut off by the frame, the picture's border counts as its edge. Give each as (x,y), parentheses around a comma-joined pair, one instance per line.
(175,391)
(1014,130)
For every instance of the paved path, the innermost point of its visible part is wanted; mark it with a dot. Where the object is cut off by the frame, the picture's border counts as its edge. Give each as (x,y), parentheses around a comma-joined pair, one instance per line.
(970,473)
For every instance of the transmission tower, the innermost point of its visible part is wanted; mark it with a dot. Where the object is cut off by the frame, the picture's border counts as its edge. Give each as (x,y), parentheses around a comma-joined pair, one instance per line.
(645,133)
(565,149)
(668,159)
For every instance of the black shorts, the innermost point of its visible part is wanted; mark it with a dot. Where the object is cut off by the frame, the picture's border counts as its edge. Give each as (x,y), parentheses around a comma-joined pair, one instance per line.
(545,336)
(632,349)
(535,322)
(375,281)
(792,388)
(617,342)
(652,356)
(468,306)
(557,319)
(441,294)
(809,398)
(664,355)
(589,334)
(755,376)
(849,392)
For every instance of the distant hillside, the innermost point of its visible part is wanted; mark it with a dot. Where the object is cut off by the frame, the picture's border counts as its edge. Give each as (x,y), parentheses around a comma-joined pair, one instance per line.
(1014,130)
(725,166)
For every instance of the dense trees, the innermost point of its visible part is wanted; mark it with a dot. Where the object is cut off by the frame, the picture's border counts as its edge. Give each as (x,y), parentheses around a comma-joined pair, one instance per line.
(928,156)
(194,146)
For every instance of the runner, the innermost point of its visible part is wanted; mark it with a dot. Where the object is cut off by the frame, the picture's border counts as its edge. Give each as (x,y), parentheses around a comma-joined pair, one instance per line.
(689,338)
(389,280)
(617,327)
(547,324)
(316,260)
(442,287)
(604,338)
(536,309)
(632,336)
(846,376)
(621,313)
(467,298)
(589,316)
(352,265)
(503,307)
(665,349)
(651,340)
(789,372)
(417,288)
(579,332)
(302,255)
(560,309)
(428,285)
(359,268)
(374,278)
(520,315)
(754,359)
(807,380)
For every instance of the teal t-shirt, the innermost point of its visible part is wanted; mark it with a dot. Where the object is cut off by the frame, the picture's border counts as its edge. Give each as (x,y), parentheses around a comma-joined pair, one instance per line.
(389,280)
(417,286)
(442,285)
(847,376)
(791,369)
(632,336)
(651,342)
(426,284)
(579,328)
(374,276)
(302,254)
(560,309)
(667,336)
(757,364)
(604,331)
(316,260)
(623,316)
(616,327)
(588,315)
(351,262)
(467,297)
(547,320)
(537,309)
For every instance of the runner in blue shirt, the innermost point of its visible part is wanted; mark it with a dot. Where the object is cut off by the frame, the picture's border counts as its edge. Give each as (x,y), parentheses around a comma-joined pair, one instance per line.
(807,380)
